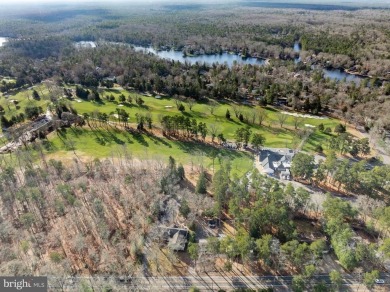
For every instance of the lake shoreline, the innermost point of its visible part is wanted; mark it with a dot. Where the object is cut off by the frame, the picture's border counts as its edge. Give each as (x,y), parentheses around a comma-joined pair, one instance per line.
(229,57)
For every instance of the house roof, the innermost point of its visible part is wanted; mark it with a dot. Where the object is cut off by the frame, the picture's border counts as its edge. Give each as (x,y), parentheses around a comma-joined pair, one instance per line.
(177,238)
(276,158)
(265,162)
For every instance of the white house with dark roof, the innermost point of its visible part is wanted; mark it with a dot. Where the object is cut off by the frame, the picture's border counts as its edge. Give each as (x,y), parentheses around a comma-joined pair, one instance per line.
(276,162)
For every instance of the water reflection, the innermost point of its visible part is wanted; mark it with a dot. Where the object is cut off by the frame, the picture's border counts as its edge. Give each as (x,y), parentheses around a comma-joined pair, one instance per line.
(2,41)
(85,44)
(334,74)
(229,59)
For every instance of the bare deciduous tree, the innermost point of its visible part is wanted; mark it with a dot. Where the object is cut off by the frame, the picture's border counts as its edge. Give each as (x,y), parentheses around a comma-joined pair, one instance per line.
(298,121)
(213,107)
(281,118)
(190,102)
(262,115)
(236,110)
(253,116)
(214,129)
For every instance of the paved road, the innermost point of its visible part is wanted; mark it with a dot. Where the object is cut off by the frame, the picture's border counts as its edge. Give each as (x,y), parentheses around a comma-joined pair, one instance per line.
(205,282)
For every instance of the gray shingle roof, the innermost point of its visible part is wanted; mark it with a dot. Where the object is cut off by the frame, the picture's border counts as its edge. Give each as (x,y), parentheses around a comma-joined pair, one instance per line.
(280,156)
(178,239)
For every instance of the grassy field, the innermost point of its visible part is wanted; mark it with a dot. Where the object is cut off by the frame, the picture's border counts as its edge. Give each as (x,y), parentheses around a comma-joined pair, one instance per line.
(24,97)
(104,143)
(274,134)
(317,138)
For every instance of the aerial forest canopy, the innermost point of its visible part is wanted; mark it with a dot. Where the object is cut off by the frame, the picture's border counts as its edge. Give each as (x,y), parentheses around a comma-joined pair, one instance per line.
(144,141)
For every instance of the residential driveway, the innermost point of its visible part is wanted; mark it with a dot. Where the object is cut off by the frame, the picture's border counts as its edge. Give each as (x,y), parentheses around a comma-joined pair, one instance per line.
(317,196)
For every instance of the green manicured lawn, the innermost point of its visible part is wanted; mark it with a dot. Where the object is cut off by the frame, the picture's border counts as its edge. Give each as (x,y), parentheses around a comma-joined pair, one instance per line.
(22,97)
(317,138)
(103,143)
(271,130)
(274,134)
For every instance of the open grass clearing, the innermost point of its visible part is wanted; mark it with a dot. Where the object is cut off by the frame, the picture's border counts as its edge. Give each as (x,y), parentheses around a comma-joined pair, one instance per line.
(24,98)
(102,143)
(275,135)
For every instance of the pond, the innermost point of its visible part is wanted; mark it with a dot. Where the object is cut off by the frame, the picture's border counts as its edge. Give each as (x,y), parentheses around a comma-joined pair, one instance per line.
(228,58)
(338,74)
(334,74)
(297,47)
(2,41)
(85,44)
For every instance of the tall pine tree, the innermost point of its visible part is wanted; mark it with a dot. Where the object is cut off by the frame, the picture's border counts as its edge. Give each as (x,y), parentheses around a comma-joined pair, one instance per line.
(201,187)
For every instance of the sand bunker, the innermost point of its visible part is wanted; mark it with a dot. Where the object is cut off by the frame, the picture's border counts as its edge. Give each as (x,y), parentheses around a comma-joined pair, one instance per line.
(304,116)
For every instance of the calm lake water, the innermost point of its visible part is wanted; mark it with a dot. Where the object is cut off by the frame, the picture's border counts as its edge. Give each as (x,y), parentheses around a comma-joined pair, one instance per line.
(227,58)
(85,44)
(2,41)
(297,47)
(335,74)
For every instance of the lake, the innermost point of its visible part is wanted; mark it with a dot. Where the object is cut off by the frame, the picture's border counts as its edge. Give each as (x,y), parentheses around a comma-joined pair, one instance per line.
(2,41)
(297,47)
(226,58)
(338,74)
(85,44)
(334,74)
(230,59)
(223,58)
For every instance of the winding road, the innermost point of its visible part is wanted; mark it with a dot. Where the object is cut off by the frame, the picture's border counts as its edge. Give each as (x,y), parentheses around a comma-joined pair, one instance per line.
(207,282)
